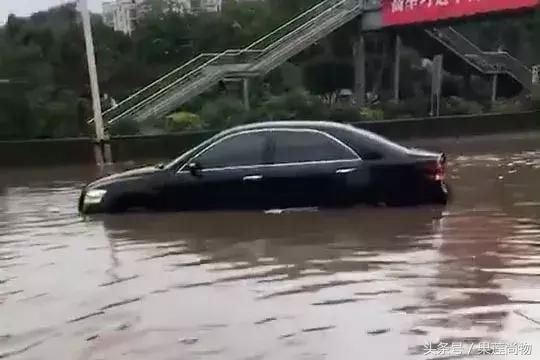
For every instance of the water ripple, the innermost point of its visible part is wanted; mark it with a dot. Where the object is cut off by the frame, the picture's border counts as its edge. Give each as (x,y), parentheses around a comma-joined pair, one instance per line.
(331,284)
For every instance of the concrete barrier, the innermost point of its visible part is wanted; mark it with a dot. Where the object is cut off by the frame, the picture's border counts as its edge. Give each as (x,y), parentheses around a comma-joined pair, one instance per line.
(454,126)
(125,148)
(46,152)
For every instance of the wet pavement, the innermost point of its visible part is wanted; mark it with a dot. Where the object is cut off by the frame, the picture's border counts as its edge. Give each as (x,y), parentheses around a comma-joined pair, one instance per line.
(416,283)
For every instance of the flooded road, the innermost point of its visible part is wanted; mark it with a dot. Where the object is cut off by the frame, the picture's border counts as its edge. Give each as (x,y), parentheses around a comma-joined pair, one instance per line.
(415,283)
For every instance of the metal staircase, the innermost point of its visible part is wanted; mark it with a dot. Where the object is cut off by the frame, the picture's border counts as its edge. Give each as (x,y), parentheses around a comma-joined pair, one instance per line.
(485,62)
(196,76)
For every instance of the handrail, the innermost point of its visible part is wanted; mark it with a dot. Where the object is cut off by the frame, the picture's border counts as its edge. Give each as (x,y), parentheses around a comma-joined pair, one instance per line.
(310,22)
(257,42)
(174,83)
(448,43)
(480,51)
(195,59)
(200,56)
(508,55)
(491,61)
(337,5)
(466,39)
(228,52)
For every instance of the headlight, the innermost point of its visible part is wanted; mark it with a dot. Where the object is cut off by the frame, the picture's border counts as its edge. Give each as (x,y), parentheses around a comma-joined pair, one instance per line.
(94,196)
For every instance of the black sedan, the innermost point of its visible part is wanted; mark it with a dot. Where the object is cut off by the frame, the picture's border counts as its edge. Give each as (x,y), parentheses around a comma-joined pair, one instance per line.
(284,164)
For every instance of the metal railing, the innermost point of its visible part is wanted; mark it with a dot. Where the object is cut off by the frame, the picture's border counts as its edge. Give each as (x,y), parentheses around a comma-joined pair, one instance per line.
(226,58)
(340,14)
(207,58)
(504,62)
(463,47)
(485,61)
(249,55)
(156,86)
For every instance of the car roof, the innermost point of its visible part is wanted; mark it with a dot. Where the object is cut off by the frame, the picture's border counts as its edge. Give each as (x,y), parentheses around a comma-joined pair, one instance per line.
(359,139)
(306,124)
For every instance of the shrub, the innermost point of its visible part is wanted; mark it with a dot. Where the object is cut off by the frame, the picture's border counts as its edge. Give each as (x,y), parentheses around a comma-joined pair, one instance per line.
(184,121)
(294,104)
(413,107)
(222,113)
(508,106)
(345,114)
(536,97)
(125,127)
(372,114)
(458,106)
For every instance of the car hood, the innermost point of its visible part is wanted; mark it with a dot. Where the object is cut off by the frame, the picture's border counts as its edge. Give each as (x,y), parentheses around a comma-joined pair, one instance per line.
(124,176)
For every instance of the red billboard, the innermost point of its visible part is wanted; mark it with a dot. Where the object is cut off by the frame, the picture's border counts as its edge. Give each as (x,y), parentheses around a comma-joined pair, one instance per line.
(400,12)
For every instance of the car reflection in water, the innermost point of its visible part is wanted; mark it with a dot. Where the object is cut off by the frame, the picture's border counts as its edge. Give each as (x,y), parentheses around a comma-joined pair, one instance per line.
(301,240)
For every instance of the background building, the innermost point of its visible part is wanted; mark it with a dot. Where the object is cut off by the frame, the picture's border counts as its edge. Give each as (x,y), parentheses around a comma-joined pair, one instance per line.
(205,5)
(108,13)
(122,15)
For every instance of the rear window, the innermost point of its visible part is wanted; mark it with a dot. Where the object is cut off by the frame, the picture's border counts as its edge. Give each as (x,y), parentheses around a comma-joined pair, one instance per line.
(307,146)
(368,145)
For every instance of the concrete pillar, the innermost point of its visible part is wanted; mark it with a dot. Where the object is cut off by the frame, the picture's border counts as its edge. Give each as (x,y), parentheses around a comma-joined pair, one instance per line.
(397,67)
(107,149)
(245,93)
(359,51)
(494,84)
(467,85)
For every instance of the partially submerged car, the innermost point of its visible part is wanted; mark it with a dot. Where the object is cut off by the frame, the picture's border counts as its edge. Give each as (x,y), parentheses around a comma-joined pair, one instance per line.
(281,164)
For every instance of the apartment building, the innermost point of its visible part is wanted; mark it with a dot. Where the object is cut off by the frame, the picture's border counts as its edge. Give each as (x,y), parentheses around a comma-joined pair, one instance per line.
(197,6)
(122,15)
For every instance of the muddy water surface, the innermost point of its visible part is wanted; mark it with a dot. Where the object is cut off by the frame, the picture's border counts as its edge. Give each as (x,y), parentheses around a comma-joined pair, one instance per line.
(365,283)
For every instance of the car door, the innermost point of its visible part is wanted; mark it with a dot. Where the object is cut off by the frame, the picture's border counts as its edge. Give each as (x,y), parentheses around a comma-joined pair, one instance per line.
(313,168)
(224,175)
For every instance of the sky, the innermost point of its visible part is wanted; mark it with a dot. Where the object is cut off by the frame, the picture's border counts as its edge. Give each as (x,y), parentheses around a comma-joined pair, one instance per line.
(27,7)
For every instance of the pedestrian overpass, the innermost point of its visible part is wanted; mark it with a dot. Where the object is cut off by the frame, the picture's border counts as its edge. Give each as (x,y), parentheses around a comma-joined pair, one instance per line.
(204,71)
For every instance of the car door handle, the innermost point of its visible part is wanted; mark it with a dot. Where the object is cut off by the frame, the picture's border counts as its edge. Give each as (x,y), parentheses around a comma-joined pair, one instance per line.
(253,178)
(345,171)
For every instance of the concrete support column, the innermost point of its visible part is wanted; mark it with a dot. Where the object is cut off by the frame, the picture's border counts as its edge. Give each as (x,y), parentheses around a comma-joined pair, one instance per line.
(359,51)
(107,149)
(494,85)
(397,67)
(245,93)
(467,85)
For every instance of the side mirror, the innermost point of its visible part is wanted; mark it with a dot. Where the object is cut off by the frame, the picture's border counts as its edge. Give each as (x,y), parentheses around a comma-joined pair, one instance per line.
(194,168)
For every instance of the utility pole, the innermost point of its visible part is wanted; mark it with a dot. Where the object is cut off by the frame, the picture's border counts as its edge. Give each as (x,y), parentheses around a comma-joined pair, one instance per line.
(436,84)
(494,86)
(245,93)
(359,55)
(102,147)
(397,67)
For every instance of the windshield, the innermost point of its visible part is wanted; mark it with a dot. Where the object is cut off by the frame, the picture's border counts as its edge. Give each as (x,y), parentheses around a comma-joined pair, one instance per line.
(179,161)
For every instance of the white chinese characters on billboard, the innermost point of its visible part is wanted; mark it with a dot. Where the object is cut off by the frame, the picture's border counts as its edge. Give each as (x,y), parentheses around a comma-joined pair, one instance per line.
(400,12)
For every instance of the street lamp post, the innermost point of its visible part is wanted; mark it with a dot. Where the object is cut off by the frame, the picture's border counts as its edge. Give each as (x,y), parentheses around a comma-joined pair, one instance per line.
(102,146)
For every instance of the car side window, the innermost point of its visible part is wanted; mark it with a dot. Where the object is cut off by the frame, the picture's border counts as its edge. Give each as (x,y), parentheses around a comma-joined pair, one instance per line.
(239,150)
(305,146)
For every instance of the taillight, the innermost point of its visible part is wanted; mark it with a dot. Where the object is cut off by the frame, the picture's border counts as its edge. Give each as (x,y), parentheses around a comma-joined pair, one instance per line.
(436,170)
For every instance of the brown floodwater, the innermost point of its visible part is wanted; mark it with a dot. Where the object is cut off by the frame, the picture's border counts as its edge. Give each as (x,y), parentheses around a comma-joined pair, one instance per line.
(364,283)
